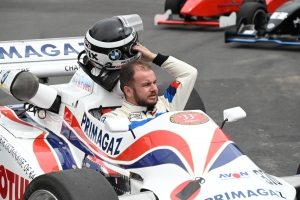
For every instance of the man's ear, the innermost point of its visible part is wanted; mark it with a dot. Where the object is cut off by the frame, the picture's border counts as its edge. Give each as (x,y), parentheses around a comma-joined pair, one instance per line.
(128,91)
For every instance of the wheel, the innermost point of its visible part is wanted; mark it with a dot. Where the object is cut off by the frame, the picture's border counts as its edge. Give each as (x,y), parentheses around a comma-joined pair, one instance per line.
(258,1)
(255,13)
(194,103)
(174,5)
(70,184)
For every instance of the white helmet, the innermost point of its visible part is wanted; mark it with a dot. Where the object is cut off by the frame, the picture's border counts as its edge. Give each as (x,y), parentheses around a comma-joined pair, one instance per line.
(108,43)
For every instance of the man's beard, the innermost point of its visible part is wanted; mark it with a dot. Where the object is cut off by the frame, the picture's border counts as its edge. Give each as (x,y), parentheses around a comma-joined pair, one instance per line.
(142,102)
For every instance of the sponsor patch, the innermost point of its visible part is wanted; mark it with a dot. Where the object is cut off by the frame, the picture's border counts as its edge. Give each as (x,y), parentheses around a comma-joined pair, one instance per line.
(188,118)
(136,115)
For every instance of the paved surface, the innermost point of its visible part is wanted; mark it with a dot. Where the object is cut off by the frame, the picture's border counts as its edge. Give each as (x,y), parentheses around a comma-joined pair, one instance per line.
(263,79)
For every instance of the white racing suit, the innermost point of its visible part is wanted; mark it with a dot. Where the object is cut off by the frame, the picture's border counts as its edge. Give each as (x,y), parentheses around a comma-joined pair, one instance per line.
(174,98)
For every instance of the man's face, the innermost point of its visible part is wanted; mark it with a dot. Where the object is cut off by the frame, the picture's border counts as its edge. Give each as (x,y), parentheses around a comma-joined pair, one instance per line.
(144,88)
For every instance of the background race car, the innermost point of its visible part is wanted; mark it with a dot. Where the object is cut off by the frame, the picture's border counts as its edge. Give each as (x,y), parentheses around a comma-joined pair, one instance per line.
(255,25)
(208,12)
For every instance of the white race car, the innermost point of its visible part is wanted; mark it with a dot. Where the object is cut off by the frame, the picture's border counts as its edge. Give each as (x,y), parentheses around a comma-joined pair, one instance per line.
(54,146)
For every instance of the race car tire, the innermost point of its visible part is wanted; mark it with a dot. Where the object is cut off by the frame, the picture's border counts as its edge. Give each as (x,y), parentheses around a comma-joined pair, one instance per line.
(75,184)
(255,13)
(174,5)
(194,103)
(258,1)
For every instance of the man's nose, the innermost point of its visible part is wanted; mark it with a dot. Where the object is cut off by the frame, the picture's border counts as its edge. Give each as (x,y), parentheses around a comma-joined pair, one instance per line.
(153,87)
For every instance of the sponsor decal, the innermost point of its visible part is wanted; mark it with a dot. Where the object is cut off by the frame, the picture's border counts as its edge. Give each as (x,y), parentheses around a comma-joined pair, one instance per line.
(17,156)
(248,194)
(188,118)
(131,59)
(45,50)
(71,68)
(115,54)
(136,115)
(296,22)
(105,141)
(87,44)
(92,55)
(270,25)
(81,82)
(234,175)
(188,189)
(279,15)
(12,186)
(4,77)
(266,177)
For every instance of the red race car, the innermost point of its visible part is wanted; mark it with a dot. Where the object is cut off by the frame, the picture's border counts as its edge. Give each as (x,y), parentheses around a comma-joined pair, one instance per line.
(220,13)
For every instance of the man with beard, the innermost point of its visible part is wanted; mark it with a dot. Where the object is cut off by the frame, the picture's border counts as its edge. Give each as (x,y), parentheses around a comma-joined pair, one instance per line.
(138,82)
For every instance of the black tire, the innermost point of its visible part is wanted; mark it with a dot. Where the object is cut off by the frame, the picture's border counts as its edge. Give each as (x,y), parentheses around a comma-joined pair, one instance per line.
(174,5)
(258,1)
(194,103)
(255,13)
(76,184)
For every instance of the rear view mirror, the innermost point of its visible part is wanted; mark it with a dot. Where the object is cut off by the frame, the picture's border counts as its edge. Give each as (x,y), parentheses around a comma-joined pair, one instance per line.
(234,114)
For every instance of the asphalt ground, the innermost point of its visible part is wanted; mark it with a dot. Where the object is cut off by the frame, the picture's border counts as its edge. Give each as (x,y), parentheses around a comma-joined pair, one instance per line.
(261,78)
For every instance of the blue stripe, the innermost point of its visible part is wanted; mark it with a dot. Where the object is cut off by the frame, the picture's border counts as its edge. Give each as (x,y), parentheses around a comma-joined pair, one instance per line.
(135,124)
(170,93)
(62,150)
(157,157)
(70,135)
(230,153)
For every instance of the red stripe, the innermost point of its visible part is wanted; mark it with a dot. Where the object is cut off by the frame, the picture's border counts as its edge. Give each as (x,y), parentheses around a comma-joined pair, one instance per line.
(44,154)
(142,145)
(105,110)
(156,139)
(41,149)
(219,138)
(175,84)
(12,116)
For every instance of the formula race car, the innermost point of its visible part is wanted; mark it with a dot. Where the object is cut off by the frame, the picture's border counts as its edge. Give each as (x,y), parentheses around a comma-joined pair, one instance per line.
(54,146)
(282,27)
(220,13)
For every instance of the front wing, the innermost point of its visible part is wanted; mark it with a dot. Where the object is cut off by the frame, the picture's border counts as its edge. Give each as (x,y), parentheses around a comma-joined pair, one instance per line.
(247,34)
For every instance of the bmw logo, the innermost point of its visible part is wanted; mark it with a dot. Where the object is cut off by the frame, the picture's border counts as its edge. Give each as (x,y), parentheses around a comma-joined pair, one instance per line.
(87,43)
(115,54)
(271,25)
(4,77)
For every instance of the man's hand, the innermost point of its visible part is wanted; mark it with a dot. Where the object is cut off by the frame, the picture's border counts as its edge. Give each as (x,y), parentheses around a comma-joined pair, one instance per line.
(147,55)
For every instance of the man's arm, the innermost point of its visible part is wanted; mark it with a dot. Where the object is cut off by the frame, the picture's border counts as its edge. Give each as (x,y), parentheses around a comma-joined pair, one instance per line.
(178,93)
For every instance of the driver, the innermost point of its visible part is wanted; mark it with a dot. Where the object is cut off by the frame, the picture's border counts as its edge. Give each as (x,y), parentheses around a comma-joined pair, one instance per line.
(111,42)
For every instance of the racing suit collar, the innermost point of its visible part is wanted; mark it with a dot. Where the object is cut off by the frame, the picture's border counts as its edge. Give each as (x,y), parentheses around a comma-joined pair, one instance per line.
(135,108)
